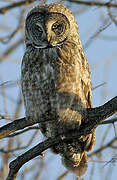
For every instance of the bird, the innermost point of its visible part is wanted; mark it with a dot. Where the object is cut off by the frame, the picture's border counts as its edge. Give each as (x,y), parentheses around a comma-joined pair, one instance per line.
(56,81)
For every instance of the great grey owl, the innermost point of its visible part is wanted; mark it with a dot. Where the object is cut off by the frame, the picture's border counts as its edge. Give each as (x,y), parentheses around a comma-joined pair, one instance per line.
(56,81)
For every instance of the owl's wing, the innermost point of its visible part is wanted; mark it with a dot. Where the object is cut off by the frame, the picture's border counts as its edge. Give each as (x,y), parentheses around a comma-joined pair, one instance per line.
(87,91)
(86,87)
(86,80)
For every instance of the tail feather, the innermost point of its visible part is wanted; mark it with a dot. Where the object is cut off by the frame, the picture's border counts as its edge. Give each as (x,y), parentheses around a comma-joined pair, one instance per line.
(79,167)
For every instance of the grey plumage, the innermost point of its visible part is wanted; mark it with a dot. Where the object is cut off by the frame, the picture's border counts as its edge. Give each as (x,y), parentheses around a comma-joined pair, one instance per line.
(56,81)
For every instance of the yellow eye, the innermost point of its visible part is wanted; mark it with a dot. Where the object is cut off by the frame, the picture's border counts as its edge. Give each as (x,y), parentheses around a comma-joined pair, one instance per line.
(57,28)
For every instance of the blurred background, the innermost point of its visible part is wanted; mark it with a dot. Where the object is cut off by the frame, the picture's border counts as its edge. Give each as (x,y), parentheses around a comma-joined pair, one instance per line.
(98,33)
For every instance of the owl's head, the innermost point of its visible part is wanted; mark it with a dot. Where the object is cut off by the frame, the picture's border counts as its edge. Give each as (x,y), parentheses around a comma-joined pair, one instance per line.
(49,26)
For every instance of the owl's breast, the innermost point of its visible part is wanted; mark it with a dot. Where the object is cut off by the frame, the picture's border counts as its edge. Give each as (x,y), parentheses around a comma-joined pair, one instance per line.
(52,89)
(39,87)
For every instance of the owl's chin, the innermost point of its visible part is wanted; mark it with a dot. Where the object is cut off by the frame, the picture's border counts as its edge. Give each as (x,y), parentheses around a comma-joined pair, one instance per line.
(42,46)
(47,45)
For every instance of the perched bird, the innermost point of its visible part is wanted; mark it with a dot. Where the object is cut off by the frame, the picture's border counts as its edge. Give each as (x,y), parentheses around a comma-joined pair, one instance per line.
(56,81)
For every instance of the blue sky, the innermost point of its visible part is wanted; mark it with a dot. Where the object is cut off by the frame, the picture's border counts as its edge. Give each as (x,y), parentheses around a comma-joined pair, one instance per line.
(102,57)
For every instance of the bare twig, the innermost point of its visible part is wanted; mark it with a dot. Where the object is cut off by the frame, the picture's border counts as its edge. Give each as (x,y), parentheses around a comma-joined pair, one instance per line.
(9,84)
(109,144)
(6,39)
(95,87)
(112,16)
(107,37)
(94,3)
(61,177)
(97,33)
(22,147)
(14,5)
(11,49)
(6,117)
(87,3)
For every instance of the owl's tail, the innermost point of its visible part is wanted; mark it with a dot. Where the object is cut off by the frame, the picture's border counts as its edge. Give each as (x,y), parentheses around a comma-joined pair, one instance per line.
(77,167)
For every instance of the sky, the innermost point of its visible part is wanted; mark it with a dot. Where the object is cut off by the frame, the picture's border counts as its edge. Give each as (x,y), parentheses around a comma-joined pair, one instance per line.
(102,57)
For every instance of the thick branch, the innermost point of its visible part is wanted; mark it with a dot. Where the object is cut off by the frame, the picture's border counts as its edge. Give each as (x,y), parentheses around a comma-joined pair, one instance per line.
(110,121)
(38,150)
(94,3)
(92,118)
(23,131)
(17,124)
(95,116)
(32,153)
(13,126)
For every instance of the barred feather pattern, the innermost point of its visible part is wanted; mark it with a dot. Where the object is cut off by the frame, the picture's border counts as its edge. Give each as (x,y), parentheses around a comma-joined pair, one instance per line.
(56,86)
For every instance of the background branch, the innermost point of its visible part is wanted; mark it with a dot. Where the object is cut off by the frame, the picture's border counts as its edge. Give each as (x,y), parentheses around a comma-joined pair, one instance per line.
(87,3)
(94,3)
(14,5)
(97,22)
(103,147)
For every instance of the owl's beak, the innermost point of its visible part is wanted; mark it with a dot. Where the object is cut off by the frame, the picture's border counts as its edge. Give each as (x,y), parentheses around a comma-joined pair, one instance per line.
(50,42)
(49,39)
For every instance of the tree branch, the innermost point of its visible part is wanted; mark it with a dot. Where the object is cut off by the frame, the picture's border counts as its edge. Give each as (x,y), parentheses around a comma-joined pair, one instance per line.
(14,5)
(110,121)
(11,49)
(13,126)
(95,116)
(94,3)
(27,156)
(91,119)
(109,144)
(23,131)
(87,3)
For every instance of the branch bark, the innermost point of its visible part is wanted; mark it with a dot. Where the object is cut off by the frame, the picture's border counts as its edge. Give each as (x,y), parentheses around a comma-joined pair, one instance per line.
(92,118)
(13,126)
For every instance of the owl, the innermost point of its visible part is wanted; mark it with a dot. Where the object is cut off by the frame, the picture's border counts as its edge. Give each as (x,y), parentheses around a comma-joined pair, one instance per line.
(56,81)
